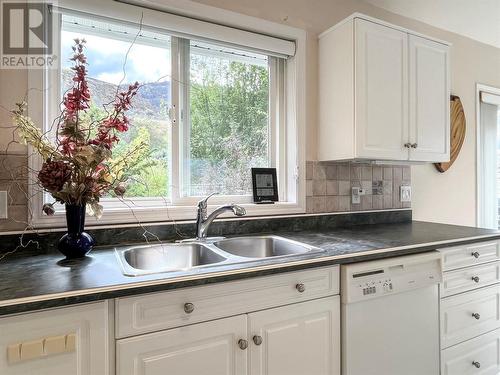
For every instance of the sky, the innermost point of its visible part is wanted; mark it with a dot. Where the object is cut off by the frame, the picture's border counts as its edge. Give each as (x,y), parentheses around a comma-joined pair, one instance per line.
(106,57)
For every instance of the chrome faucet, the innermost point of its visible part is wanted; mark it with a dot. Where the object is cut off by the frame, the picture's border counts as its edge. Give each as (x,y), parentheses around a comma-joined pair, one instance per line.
(203,220)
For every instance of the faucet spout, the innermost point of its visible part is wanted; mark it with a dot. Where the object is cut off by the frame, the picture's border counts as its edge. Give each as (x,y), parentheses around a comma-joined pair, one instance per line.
(203,221)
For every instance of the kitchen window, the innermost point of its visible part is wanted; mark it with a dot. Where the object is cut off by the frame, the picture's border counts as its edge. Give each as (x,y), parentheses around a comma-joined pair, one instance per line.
(209,109)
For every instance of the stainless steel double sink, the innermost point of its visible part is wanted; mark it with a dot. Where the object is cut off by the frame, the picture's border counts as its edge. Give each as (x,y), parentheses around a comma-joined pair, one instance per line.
(169,257)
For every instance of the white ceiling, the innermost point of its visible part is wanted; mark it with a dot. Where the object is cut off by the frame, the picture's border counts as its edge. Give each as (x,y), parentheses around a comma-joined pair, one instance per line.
(476,19)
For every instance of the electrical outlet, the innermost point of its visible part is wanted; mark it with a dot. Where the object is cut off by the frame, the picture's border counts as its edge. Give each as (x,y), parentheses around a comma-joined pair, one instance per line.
(3,205)
(405,193)
(357,192)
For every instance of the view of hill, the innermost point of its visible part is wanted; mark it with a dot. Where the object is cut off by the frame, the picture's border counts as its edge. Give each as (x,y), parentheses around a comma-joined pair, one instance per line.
(147,103)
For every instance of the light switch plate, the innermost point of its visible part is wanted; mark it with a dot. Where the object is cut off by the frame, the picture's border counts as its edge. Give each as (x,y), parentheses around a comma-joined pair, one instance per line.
(3,205)
(357,192)
(405,193)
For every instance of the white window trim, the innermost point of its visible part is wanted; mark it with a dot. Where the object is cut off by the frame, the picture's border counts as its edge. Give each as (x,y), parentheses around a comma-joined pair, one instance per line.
(293,133)
(481,200)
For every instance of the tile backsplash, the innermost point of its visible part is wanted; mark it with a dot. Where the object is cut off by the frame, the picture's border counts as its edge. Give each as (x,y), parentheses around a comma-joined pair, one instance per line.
(328,186)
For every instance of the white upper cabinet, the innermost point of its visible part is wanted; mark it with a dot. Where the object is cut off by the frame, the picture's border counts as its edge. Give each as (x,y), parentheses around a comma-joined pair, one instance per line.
(429,100)
(384,94)
(381,92)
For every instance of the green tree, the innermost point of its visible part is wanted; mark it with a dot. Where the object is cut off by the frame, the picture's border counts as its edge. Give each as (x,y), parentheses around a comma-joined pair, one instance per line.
(229,124)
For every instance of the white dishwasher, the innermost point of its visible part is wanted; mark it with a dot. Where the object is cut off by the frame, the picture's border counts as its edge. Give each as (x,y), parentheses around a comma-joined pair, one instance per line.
(390,316)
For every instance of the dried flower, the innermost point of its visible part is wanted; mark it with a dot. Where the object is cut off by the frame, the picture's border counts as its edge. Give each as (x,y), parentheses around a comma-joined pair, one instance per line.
(53,175)
(120,190)
(48,209)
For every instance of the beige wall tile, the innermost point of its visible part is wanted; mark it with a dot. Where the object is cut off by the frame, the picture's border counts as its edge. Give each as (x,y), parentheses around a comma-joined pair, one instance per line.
(332,187)
(331,172)
(344,187)
(319,187)
(377,173)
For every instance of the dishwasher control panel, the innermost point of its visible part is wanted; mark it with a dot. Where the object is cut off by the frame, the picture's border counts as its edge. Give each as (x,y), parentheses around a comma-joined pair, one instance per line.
(361,281)
(374,287)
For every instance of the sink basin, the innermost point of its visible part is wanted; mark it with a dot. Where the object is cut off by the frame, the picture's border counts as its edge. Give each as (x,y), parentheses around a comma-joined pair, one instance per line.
(166,257)
(263,246)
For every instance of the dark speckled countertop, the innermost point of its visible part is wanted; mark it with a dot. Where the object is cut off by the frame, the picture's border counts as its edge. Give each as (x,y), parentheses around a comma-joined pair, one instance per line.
(41,281)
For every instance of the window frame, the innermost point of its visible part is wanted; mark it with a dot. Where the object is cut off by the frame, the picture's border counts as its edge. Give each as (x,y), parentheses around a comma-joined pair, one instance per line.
(287,145)
(483,201)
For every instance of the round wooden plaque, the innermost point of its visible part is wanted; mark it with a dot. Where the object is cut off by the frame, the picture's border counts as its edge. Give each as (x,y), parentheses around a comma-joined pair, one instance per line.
(457,129)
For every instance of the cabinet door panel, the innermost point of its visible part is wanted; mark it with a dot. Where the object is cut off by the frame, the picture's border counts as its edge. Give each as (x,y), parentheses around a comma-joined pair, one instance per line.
(297,339)
(205,348)
(429,100)
(470,314)
(463,359)
(381,92)
(88,324)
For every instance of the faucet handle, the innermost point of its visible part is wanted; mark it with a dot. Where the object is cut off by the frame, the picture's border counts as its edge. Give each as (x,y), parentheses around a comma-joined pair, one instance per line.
(203,203)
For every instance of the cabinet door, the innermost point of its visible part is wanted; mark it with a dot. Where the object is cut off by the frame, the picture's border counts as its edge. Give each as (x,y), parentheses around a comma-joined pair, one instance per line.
(71,340)
(480,355)
(429,100)
(298,339)
(381,92)
(204,348)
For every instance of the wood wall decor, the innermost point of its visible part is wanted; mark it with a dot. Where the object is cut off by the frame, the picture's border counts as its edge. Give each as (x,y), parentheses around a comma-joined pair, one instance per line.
(457,128)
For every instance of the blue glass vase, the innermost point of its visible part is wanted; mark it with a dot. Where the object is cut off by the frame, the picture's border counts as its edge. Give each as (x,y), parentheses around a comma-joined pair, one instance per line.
(76,243)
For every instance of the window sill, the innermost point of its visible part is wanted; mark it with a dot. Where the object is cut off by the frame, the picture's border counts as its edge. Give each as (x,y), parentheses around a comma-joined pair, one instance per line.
(163,214)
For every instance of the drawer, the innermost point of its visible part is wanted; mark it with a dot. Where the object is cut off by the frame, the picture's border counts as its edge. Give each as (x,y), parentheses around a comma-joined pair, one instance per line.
(470,255)
(158,311)
(468,315)
(463,359)
(470,278)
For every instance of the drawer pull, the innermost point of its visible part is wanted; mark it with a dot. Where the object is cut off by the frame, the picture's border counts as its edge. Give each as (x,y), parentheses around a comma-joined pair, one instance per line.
(188,308)
(475,279)
(476,315)
(257,340)
(301,288)
(476,364)
(475,254)
(243,344)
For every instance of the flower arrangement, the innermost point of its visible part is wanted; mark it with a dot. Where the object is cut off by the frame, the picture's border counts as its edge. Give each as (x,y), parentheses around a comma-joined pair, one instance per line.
(79,167)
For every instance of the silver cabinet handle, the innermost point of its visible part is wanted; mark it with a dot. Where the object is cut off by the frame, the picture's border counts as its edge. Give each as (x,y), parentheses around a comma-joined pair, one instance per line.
(414,145)
(257,340)
(407,145)
(476,315)
(301,288)
(475,279)
(475,254)
(476,364)
(188,308)
(243,344)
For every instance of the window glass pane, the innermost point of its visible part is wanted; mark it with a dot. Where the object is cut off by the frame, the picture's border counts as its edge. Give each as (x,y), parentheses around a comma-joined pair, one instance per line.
(115,60)
(228,120)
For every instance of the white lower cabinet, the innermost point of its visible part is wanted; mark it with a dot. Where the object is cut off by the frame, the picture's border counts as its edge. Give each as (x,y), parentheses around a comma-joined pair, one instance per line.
(477,356)
(470,309)
(66,341)
(296,340)
(299,339)
(204,348)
